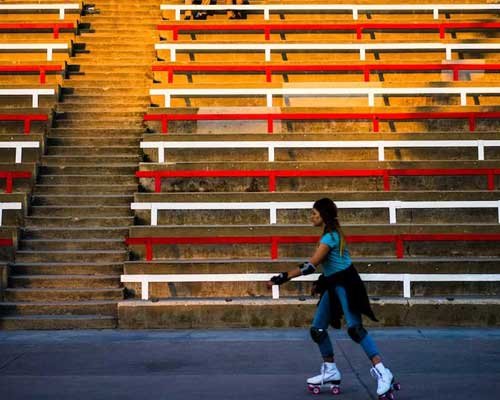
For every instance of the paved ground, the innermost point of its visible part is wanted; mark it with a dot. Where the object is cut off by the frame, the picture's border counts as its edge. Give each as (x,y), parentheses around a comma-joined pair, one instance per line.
(241,364)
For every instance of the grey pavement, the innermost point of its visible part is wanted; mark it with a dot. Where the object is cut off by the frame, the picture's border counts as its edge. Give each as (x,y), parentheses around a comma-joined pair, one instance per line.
(443,364)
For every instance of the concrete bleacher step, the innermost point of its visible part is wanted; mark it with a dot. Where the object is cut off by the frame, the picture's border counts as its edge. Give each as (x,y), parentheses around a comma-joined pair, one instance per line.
(28,256)
(76,200)
(78,221)
(186,313)
(89,268)
(98,307)
(64,281)
(51,294)
(51,322)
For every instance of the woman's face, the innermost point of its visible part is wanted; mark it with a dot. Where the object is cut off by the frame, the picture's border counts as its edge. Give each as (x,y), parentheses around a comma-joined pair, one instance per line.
(316,219)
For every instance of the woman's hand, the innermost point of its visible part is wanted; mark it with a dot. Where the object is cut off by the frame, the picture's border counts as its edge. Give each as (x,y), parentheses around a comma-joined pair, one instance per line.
(278,279)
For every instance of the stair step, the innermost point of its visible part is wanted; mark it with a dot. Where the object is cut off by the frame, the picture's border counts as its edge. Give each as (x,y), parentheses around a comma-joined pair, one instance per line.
(67,268)
(97,170)
(52,294)
(101,107)
(100,132)
(131,141)
(101,123)
(85,189)
(108,256)
(108,150)
(78,221)
(64,281)
(51,322)
(72,244)
(61,200)
(136,115)
(51,160)
(117,232)
(64,308)
(80,211)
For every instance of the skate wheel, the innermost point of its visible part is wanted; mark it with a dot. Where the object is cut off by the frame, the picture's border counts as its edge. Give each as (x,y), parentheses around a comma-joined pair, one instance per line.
(397,386)
(335,390)
(310,388)
(316,390)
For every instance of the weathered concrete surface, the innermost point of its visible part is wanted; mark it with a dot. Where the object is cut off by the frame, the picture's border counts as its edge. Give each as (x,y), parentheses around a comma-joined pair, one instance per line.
(286,313)
(445,364)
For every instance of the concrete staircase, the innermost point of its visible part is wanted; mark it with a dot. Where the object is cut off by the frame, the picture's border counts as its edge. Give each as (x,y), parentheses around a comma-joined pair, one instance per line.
(67,269)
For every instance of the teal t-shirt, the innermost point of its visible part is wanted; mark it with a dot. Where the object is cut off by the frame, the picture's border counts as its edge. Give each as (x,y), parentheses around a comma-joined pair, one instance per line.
(334,261)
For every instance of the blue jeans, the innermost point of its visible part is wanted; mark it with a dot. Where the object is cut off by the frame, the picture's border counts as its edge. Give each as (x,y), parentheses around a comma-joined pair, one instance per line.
(322,320)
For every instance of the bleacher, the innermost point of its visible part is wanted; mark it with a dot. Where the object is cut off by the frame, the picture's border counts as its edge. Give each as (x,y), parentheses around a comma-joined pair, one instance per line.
(389,109)
(158,171)
(36,43)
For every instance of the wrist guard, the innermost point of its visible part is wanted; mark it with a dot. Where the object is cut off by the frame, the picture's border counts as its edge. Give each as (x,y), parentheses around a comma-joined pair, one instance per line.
(307,268)
(280,279)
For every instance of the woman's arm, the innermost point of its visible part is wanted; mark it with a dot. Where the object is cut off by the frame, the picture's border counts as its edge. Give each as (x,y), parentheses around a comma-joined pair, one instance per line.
(306,268)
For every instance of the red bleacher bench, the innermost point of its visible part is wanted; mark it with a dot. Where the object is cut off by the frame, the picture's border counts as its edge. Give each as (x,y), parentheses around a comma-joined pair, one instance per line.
(41,69)
(385,174)
(375,117)
(54,27)
(359,28)
(365,69)
(26,118)
(274,241)
(9,177)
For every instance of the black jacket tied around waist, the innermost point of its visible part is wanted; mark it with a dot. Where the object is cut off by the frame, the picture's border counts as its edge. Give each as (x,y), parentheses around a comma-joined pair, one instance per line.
(357,297)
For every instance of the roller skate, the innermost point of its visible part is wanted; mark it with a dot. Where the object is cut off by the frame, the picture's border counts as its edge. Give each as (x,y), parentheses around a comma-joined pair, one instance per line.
(385,382)
(328,379)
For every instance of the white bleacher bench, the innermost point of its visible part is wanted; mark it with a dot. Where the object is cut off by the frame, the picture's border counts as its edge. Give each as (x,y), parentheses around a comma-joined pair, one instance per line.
(355,9)
(381,145)
(35,7)
(273,207)
(34,93)
(406,279)
(9,206)
(267,48)
(19,146)
(334,91)
(48,47)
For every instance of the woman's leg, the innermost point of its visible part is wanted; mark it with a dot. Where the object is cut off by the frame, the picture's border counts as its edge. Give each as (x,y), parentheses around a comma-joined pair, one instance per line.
(319,327)
(356,330)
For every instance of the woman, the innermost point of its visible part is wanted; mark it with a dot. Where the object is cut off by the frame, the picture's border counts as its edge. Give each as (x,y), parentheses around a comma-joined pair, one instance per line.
(342,292)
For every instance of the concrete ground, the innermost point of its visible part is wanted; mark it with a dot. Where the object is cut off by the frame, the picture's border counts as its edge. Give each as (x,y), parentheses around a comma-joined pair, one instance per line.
(239,364)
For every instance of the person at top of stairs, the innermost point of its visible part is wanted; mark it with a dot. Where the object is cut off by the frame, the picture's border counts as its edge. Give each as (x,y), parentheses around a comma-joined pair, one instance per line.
(198,14)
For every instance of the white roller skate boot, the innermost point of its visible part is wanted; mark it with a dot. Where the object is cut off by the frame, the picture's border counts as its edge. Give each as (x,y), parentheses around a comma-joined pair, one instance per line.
(329,378)
(385,382)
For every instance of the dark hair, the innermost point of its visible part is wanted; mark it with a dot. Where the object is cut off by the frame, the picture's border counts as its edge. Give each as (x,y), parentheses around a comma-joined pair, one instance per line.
(328,211)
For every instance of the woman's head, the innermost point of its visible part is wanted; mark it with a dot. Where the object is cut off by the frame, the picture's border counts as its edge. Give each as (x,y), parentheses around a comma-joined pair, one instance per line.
(324,212)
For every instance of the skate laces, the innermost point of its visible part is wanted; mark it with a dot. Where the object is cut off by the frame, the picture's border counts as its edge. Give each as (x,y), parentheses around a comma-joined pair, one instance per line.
(323,372)
(375,373)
